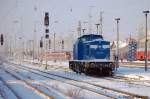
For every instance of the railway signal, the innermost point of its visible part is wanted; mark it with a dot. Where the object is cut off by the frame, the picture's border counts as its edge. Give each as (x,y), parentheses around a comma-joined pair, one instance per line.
(46,19)
(41,43)
(46,35)
(46,23)
(62,46)
(2,39)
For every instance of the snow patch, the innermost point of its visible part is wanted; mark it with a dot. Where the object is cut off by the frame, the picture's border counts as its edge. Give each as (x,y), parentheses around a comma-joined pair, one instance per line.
(137,77)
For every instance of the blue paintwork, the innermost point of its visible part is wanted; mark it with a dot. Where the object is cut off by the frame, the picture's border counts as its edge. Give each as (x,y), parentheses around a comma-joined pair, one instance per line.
(90,47)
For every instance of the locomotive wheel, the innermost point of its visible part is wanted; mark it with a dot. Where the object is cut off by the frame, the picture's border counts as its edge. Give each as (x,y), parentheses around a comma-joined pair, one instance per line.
(77,68)
(110,73)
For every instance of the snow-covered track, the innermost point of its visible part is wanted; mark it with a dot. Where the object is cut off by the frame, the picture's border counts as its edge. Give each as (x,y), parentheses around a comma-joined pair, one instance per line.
(107,91)
(133,64)
(125,79)
(40,92)
(73,82)
(15,95)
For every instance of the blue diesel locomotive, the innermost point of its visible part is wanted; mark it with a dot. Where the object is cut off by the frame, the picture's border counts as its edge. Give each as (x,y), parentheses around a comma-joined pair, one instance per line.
(91,55)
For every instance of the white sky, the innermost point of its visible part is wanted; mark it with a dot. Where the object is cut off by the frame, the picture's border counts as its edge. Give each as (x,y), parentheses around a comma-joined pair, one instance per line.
(23,11)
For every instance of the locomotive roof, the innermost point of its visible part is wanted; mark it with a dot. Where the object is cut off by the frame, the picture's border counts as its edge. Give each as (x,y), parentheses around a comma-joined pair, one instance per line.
(91,37)
(97,40)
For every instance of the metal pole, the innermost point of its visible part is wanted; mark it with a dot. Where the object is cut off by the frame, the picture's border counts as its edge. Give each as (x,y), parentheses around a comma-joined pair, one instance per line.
(23,51)
(20,38)
(79,29)
(15,45)
(117,52)
(146,43)
(46,40)
(42,51)
(146,12)
(90,19)
(101,22)
(34,42)
(54,41)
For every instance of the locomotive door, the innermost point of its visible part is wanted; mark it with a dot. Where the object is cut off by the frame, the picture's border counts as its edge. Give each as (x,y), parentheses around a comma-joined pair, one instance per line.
(86,51)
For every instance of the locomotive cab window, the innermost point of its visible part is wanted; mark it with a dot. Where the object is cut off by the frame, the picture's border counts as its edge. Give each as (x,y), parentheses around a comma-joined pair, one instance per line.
(106,46)
(94,46)
(99,46)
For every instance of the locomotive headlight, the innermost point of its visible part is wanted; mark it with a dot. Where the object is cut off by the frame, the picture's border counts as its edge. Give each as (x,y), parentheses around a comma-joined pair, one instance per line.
(92,65)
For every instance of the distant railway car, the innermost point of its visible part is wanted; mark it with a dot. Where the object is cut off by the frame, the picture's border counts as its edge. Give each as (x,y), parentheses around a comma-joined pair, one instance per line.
(91,55)
(140,55)
(57,56)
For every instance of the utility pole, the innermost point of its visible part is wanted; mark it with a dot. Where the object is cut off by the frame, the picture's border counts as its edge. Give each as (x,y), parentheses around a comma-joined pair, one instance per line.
(41,54)
(54,41)
(146,40)
(90,19)
(79,29)
(117,50)
(20,52)
(101,22)
(62,45)
(34,42)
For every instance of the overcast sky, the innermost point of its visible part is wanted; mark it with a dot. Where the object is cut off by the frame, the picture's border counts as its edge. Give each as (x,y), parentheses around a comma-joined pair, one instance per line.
(22,16)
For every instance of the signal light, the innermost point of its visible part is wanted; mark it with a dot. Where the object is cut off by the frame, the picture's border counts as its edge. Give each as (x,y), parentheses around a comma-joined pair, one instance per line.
(41,43)
(46,19)
(46,30)
(2,39)
(46,36)
(62,44)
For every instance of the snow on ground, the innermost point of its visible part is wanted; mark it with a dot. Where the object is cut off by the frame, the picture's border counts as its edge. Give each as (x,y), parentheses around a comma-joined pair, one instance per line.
(23,90)
(116,85)
(133,74)
(18,86)
(136,61)
(52,63)
(5,92)
(57,88)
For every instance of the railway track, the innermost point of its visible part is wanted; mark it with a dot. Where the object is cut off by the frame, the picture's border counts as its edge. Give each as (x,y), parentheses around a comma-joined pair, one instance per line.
(125,79)
(133,64)
(40,92)
(108,91)
(117,78)
(73,83)
(4,83)
(39,83)
(113,78)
